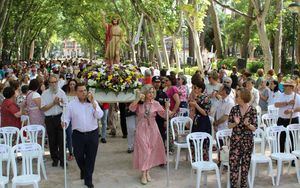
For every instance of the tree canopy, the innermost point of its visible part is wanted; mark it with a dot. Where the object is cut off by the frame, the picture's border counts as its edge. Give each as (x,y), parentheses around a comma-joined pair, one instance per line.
(238,28)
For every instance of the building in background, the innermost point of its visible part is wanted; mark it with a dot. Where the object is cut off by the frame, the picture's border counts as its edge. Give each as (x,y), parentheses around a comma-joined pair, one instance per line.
(71,49)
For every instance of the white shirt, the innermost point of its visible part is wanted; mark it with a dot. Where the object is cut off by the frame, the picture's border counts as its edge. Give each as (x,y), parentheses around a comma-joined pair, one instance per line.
(48,97)
(255,97)
(224,108)
(282,97)
(35,95)
(209,90)
(83,116)
(61,83)
(273,97)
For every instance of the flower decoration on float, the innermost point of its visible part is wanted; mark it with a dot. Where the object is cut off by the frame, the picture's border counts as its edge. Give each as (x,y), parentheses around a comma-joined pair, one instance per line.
(116,78)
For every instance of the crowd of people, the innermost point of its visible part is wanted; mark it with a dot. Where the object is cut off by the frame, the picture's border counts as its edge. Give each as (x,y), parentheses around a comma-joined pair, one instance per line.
(40,90)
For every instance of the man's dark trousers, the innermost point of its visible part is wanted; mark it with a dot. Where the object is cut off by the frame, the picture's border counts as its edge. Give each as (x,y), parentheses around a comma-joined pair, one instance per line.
(55,137)
(85,147)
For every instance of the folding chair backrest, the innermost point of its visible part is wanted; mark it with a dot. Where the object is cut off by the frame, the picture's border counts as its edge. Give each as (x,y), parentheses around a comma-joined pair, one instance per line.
(258,110)
(223,135)
(273,134)
(24,120)
(33,132)
(28,152)
(9,135)
(197,140)
(260,134)
(178,124)
(294,132)
(5,155)
(269,120)
(183,112)
(272,110)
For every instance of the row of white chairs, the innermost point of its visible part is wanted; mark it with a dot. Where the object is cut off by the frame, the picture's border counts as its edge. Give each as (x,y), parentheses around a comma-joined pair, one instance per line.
(274,143)
(179,124)
(28,153)
(28,134)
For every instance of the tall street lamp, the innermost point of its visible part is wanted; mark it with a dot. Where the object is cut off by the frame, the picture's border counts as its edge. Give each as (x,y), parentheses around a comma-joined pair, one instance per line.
(294,7)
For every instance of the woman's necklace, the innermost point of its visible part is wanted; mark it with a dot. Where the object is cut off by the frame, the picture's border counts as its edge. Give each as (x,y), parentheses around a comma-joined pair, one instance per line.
(147,110)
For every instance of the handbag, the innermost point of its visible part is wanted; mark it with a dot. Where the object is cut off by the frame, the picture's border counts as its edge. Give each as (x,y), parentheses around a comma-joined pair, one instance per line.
(224,154)
(181,137)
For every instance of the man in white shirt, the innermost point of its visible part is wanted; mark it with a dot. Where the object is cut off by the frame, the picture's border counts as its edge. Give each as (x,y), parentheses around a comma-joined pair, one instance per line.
(228,82)
(51,103)
(83,113)
(254,92)
(224,107)
(288,103)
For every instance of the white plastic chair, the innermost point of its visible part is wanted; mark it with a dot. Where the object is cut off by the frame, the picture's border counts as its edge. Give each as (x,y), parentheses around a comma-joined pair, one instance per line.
(24,120)
(259,138)
(213,134)
(259,158)
(269,120)
(33,133)
(5,155)
(274,132)
(294,131)
(224,135)
(28,151)
(9,134)
(273,110)
(258,110)
(179,123)
(198,163)
(183,112)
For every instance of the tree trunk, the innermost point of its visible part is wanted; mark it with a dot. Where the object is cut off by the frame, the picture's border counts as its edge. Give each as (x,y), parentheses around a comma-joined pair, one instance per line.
(197,49)
(265,44)
(91,50)
(278,37)
(164,49)
(152,35)
(246,38)
(216,29)
(172,55)
(4,11)
(298,46)
(146,37)
(261,14)
(174,39)
(31,52)
(191,44)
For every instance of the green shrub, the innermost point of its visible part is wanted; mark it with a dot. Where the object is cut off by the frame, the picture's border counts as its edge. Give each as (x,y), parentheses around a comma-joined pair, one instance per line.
(190,70)
(253,66)
(229,62)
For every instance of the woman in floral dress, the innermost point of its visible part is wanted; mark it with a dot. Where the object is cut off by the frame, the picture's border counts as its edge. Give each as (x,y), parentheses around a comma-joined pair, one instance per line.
(149,150)
(243,121)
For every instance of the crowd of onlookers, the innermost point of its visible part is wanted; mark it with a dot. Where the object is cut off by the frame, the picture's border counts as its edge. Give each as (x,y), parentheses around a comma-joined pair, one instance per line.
(214,95)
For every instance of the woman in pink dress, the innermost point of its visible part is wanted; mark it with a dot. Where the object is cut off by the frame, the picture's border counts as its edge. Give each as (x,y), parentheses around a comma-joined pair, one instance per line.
(149,150)
(32,104)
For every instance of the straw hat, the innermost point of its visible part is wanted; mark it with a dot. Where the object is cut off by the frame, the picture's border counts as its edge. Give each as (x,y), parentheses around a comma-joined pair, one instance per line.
(289,82)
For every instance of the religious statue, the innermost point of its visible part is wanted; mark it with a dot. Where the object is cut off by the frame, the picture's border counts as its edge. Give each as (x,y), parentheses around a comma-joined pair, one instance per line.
(113,39)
